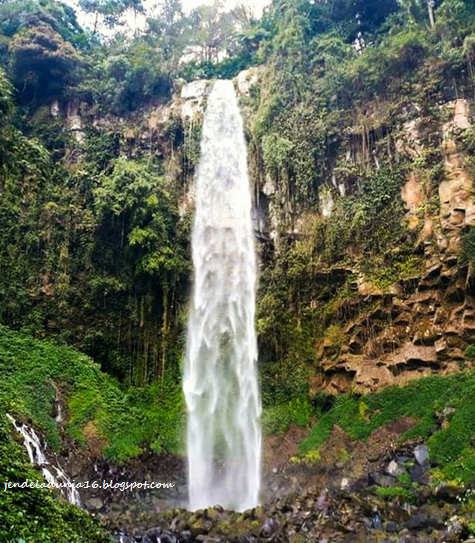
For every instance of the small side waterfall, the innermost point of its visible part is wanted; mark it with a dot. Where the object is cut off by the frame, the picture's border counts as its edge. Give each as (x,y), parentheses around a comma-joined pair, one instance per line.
(53,474)
(220,379)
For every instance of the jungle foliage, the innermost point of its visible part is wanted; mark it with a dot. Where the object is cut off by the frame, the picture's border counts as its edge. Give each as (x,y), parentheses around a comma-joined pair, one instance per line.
(90,246)
(93,249)
(342,78)
(36,515)
(451,447)
(125,420)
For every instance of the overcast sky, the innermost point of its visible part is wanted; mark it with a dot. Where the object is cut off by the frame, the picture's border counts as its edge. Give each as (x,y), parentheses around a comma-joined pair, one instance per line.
(188,5)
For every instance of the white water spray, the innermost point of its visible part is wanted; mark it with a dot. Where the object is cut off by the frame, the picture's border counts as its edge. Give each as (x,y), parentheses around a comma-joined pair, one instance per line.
(38,458)
(220,379)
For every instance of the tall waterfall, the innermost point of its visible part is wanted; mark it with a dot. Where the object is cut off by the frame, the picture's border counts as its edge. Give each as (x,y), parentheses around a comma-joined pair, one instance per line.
(220,379)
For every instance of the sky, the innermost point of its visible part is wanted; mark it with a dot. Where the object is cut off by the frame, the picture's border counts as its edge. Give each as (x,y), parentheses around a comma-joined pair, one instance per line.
(188,5)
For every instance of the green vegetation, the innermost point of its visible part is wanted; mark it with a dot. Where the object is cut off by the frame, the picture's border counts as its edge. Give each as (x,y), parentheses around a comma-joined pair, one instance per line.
(278,419)
(92,248)
(35,515)
(343,83)
(124,420)
(451,448)
(389,493)
(369,221)
(94,245)
(467,252)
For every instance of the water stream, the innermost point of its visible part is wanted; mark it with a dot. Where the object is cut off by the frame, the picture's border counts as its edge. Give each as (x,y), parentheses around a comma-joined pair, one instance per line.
(52,473)
(220,378)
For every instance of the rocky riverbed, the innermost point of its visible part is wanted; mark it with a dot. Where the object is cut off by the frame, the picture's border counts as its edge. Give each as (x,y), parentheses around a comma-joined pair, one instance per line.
(397,499)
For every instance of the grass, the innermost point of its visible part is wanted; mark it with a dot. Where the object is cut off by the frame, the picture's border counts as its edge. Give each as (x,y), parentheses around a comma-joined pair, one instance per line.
(279,418)
(452,448)
(125,419)
(392,492)
(35,515)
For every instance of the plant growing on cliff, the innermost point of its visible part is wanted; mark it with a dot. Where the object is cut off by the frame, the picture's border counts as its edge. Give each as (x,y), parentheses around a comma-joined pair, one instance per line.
(368,222)
(125,420)
(43,63)
(34,515)
(467,250)
(451,448)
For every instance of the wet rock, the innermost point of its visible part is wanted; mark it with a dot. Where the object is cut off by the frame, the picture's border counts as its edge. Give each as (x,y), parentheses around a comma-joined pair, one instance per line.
(417,522)
(392,527)
(212,513)
(200,527)
(448,493)
(421,521)
(179,525)
(421,453)
(394,469)
(419,475)
(381,480)
(269,527)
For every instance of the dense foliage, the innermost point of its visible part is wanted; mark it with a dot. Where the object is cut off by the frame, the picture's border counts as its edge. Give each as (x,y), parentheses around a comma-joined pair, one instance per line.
(123,420)
(104,247)
(451,447)
(94,244)
(35,515)
(343,80)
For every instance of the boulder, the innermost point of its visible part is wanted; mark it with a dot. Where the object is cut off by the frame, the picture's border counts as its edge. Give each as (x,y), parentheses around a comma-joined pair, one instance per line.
(421,453)
(194,90)
(394,469)
(381,480)
(417,522)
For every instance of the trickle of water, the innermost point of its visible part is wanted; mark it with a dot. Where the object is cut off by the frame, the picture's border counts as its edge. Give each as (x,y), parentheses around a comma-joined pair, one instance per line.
(220,378)
(38,458)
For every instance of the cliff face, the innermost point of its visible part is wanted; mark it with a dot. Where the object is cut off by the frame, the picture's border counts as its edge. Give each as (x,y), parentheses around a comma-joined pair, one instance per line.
(425,323)
(366,330)
(391,331)
(345,322)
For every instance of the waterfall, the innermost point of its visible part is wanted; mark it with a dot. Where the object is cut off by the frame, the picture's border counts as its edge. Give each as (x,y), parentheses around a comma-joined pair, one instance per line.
(38,458)
(220,378)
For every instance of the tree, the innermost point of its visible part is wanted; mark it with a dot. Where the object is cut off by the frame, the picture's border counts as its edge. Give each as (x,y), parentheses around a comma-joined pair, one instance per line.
(168,33)
(212,30)
(19,15)
(421,10)
(6,104)
(42,62)
(109,12)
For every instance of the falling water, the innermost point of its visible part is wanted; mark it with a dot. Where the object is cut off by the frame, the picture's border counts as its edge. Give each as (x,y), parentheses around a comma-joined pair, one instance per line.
(37,457)
(220,380)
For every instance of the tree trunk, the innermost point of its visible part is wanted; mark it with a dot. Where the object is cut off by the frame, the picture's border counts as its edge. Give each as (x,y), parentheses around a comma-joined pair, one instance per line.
(430,7)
